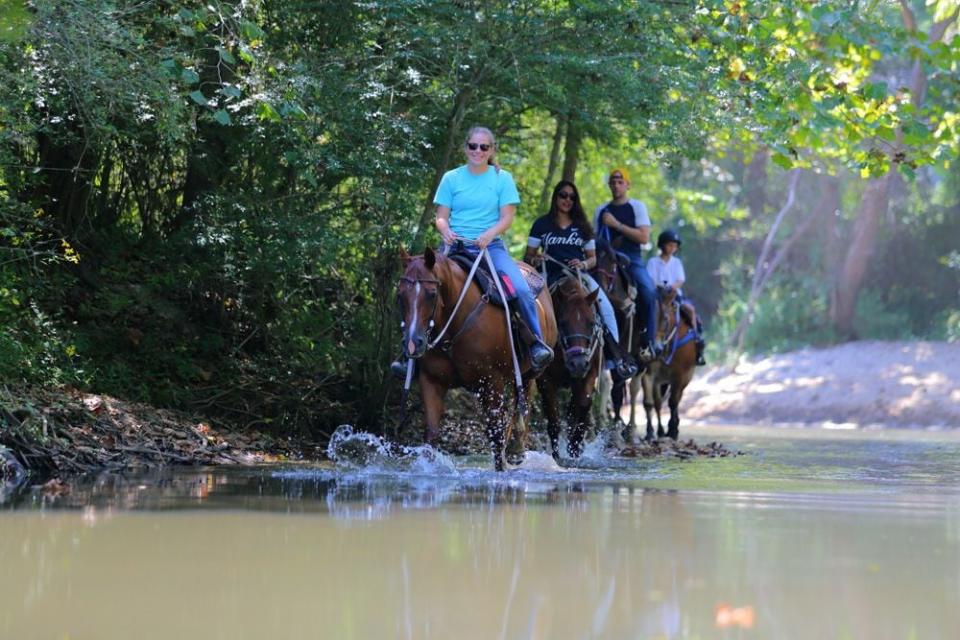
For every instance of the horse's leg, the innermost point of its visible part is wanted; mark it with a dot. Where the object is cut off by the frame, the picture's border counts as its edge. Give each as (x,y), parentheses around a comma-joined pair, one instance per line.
(677,386)
(548,397)
(673,430)
(578,417)
(616,396)
(491,401)
(649,398)
(517,442)
(636,384)
(432,394)
(601,413)
(659,390)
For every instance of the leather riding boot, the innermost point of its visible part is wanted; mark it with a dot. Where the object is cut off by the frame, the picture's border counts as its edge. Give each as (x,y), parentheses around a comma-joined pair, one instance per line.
(540,355)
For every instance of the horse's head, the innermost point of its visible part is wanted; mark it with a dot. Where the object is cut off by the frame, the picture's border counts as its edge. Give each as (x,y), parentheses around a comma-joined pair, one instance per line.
(666,295)
(666,311)
(607,272)
(418,298)
(577,325)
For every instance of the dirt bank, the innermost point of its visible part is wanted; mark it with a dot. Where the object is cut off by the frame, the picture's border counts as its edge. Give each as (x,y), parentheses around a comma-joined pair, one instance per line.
(65,431)
(865,383)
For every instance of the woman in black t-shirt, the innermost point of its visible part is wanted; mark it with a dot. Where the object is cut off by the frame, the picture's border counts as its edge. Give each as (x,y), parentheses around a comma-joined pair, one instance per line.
(565,235)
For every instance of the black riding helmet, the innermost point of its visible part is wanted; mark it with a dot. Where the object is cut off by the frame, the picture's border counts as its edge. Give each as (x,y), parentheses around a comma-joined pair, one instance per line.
(668,235)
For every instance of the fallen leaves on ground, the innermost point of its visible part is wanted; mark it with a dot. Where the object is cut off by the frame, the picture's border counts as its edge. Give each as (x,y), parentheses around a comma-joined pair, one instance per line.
(66,431)
(679,449)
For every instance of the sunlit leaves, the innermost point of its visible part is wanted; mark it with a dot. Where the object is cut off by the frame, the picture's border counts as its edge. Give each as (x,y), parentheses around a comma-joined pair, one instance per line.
(829,79)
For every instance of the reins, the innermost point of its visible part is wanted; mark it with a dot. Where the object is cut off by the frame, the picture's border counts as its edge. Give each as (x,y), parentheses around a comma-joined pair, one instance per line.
(594,341)
(518,377)
(433,343)
(673,337)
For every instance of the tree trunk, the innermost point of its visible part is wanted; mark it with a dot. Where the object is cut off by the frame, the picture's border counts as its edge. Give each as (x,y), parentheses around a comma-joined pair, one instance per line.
(552,166)
(763,269)
(571,150)
(862,245)
(755,183)
(875,201)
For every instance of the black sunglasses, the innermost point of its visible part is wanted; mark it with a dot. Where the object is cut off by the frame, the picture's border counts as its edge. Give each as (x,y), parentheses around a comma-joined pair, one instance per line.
(566,195)
(483,147)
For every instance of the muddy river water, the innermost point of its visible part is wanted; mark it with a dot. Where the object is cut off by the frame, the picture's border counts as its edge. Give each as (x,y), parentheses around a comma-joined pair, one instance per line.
(808,534)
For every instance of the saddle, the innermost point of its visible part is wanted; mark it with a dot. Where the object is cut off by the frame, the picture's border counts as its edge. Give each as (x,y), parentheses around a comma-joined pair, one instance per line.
(483,279)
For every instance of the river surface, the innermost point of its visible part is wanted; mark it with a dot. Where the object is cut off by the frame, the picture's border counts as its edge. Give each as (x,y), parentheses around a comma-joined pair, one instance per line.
(808,534)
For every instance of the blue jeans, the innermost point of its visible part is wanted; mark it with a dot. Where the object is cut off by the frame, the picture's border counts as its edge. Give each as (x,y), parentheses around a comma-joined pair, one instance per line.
(646,295)
(507,266)
(606,309)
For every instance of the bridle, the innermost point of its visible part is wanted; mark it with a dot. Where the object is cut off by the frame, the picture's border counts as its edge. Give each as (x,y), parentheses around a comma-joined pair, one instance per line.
(417,284)
(593,340)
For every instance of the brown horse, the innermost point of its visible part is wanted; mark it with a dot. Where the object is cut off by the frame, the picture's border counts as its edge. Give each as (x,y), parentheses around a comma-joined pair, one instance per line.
(672,371)
(475,349)
(577,364)
(611,273)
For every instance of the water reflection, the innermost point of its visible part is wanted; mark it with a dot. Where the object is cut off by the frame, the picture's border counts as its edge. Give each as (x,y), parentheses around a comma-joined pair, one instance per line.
(390,549)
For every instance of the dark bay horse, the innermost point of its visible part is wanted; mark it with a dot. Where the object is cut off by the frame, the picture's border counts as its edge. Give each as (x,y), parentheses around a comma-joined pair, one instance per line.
(671,372)
(611,273)
(474,352)
(577,364)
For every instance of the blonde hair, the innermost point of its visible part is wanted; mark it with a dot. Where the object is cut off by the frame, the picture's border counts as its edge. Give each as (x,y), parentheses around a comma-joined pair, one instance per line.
(493,141)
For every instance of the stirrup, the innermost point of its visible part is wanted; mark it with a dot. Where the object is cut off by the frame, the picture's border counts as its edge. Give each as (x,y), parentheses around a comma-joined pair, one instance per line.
(646,354)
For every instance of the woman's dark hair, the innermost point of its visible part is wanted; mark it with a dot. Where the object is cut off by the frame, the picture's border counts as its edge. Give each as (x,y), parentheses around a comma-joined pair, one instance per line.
(576,213)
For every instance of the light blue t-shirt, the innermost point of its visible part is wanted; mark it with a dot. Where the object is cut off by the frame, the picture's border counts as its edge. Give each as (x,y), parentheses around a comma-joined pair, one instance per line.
(475,201)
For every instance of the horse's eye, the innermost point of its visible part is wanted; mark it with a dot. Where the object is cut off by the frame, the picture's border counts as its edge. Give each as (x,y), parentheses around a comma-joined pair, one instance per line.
(431,293)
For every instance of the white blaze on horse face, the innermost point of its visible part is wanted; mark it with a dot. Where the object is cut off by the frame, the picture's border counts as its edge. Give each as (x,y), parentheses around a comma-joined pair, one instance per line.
(411,347)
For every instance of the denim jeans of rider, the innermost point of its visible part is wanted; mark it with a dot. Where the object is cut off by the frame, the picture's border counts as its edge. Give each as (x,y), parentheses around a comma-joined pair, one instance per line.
(646,295)
(506,265)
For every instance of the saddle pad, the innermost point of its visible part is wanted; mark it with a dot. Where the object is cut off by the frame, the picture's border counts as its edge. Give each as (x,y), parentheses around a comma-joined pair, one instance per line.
(482,278)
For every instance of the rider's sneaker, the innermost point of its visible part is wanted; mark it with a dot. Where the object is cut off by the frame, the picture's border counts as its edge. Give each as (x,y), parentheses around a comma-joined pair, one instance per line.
(700,360)
(626,367)
(399,369)
(540,355)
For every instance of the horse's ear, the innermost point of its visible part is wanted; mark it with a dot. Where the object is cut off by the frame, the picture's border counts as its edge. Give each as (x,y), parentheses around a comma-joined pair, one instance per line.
(404,255)
(593,296)
(429,258)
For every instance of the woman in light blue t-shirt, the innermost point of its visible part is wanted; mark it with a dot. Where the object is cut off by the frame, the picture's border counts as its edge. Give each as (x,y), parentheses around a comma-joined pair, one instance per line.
(476,202)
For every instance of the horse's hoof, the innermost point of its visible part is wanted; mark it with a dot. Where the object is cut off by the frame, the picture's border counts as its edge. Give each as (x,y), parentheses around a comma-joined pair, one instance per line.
(515,459)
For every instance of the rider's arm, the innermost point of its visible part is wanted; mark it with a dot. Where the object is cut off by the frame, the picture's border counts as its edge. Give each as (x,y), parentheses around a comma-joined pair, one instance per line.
(530,254)
(591,260)
(443,224)
(640,235)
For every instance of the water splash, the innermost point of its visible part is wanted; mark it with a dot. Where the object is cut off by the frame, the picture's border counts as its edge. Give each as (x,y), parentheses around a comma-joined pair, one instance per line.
(368,454)
(539,461)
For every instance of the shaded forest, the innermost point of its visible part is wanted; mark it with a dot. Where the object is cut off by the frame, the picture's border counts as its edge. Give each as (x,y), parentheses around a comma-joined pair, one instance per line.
(202,203)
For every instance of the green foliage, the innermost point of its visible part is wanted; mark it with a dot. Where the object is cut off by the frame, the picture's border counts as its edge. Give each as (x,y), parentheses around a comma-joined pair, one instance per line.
(201,203)
(810,74)
(790,315)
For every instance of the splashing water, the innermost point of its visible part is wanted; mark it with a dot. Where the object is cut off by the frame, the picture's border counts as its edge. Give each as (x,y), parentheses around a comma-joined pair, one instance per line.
(369,454)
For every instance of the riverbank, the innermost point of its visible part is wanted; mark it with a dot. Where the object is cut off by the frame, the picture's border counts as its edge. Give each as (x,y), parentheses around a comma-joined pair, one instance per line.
(60,432)
(857,384)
